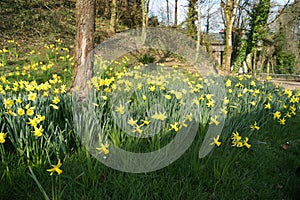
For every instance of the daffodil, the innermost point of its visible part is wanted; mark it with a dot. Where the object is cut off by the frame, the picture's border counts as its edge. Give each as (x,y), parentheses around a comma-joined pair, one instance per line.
(2,137)
(32,96)
(132,122)
(55,168)
(282,121)
(21,111)
(245,143)
(268,106)
(210,104)
(145,122)
(216,141)
(152,88)
(190,117)
(103,148)
(226,101)
(254,126)
(277,115)
(54,106)
(55,100)
(228,83)
(120,109)
(30,111)
(144,97)
(38,132)
(236,136)
(159,116)
(138,130)
(19,100)
(167,96)
(8,103)
(174,126)
(33,122)
(213,120)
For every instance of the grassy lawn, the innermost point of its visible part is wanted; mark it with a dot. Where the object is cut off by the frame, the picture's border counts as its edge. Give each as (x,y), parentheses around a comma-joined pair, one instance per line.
(254,156)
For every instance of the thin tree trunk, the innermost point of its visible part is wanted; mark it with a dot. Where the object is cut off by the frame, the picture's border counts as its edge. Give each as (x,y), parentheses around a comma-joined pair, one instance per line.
(198,30)
(113,16)
(168,13)
(84,45)
(176,13)
(145,18)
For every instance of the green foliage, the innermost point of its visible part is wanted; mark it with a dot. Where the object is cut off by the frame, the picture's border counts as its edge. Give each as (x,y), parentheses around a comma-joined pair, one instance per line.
(256,34)
(285,59)
(191,19)
(146,58)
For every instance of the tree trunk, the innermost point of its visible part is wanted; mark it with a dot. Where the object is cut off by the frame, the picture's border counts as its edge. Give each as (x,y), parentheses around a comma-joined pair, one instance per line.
(198,30)
(145,18)
(145,12)
(191,27)
(230,9)
(168,13)
(84,45)
(176,13)
(113,16)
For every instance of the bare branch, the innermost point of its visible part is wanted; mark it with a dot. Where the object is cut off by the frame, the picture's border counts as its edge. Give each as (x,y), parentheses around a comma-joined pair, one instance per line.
(280,13)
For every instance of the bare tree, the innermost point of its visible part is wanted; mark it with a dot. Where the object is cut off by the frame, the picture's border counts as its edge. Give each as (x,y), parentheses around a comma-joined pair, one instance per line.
(84,45)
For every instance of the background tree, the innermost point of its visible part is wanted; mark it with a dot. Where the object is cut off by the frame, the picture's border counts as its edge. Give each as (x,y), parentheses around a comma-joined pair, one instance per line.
(229,9)
(145,12)
(191,19)
(113,18)
(289,25)
(199,38)
(255,36)
(175,13)
(84,45)
(284,58)
(168,13)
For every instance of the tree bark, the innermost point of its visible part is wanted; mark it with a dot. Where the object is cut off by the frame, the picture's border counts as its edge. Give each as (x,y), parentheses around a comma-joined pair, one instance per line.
(84,45)
(230,9)
(113,16)
(168,13)
(176,14)
(198,29)
(145,12)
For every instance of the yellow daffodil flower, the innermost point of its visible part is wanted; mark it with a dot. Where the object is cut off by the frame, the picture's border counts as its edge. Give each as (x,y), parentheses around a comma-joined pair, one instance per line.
(159,116)
(38,132)
(174,126)
(254,126)
(120,109)
(103,148)
(216,141)
(277,115)
(2,137)
(55,168)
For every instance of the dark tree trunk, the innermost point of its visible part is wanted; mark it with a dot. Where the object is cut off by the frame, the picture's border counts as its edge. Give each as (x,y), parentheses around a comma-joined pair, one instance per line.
(176,14)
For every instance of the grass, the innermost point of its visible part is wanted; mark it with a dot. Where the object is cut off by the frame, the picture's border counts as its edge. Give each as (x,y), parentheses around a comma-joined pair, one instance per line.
(263,171)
